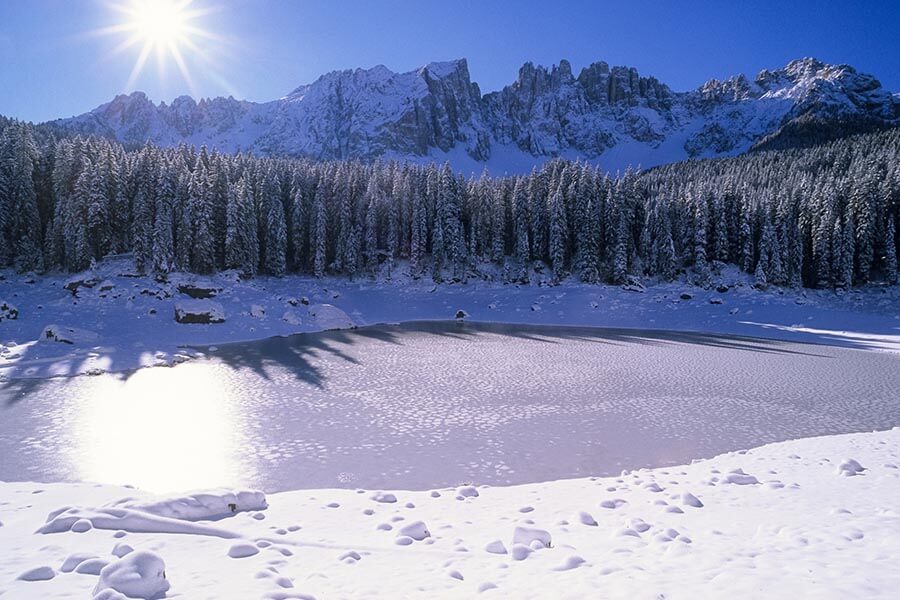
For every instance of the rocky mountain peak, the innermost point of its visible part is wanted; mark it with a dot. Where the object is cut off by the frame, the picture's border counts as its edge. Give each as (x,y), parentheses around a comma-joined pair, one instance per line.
(612,115)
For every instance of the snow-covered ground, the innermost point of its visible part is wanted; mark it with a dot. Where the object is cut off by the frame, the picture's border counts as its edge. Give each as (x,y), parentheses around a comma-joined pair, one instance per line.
(125,322)
(808,518)
(814,517)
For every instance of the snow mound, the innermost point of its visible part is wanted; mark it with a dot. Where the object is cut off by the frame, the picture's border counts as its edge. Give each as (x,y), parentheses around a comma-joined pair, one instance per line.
(291,318)
(738,477)
(328,316)
(138,575)
(850,467)
(527,535)
(203,506)
(243,550)
(384,497)
(416,530)
(199,311)
(123,519)
(38,574)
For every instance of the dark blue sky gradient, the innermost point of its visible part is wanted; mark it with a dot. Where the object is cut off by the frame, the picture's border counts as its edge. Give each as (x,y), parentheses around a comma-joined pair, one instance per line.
(49,68)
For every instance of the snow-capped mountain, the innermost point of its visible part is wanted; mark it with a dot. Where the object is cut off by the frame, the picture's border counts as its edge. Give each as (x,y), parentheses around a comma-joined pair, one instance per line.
(609,115)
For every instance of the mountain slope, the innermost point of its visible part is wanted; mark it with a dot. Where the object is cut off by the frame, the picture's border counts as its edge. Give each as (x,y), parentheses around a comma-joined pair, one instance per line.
(610,115)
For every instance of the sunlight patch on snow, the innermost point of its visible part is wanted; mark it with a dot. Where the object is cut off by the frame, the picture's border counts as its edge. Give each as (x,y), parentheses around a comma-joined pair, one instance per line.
(861,339)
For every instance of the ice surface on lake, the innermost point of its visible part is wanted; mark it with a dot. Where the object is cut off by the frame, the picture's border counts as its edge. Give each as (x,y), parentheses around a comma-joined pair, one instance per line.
(431,405)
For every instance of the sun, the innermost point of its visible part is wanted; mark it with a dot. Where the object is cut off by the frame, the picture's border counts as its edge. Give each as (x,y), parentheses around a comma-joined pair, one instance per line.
(161,23)
(169,29)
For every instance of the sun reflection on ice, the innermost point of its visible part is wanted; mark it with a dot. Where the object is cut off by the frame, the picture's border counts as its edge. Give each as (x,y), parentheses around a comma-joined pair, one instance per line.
(160,430)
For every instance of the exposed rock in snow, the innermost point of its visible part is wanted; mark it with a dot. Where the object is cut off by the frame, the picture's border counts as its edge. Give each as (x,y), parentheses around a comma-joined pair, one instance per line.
(199,311)
(138,575)
(257,311)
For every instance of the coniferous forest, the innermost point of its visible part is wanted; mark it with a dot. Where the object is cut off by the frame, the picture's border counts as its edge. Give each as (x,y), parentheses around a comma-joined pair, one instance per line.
(824,216)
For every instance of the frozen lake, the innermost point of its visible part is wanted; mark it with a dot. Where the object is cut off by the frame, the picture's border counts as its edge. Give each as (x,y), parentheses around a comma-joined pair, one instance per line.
(435,404)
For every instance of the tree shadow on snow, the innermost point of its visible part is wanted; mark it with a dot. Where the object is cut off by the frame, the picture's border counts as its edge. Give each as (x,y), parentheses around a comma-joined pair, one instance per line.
(303,354)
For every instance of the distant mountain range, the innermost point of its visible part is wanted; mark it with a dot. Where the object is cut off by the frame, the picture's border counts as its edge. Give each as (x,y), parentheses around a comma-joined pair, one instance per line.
(612,116)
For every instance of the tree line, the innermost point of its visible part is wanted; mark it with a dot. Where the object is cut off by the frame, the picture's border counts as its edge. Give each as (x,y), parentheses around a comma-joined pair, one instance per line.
(824,216)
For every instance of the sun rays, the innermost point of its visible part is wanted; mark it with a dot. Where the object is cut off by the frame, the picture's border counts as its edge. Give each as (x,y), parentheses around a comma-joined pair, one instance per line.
(171,30)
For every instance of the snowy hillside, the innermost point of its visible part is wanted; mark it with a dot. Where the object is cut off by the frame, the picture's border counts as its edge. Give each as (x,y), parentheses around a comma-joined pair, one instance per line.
(609,115)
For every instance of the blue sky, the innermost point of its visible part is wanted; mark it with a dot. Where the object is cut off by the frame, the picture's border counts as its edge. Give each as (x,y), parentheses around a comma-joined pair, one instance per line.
(51,66)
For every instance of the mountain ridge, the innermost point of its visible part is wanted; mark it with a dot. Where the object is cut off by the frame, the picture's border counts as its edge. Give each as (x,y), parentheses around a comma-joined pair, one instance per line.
(613,116)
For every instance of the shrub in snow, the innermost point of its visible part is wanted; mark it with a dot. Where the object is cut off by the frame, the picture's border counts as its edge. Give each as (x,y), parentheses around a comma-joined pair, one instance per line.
(199,290)
(199,311)
(65,335)
(8,312)
(138,575)
(461,314)
(73,284)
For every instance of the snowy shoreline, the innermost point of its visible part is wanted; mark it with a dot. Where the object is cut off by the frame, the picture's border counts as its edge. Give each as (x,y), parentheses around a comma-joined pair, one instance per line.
(807,517)
(126,322)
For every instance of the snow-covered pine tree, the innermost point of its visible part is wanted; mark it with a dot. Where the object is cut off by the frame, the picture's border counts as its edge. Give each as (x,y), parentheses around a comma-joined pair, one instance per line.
(319,230)
(890,251)
(559,233)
